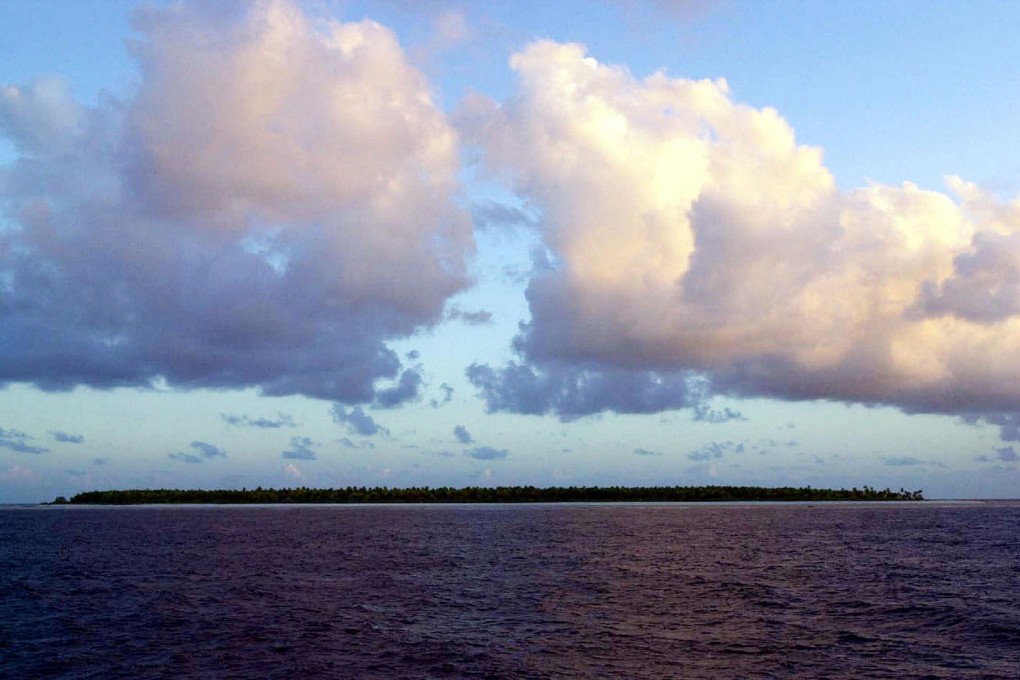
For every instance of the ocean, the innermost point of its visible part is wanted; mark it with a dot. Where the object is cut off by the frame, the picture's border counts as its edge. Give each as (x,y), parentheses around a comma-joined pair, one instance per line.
(865,590)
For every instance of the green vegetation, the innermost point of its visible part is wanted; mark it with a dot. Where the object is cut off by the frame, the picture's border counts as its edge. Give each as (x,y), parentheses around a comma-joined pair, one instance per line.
(499,494)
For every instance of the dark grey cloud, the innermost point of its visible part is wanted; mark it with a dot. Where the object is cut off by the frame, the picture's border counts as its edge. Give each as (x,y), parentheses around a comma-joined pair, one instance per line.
(348,443)
(357,421)
(646,452)
(462,435)
(704,413)
(203,451)
(281,250)
(1005,454)
(281,420)
(910,461)
(447,391)
(715,450)
(407,389)
(476,318)
(186,457)
(901,460)
(1007,422)
(502,217)
(18,441)
(572,391)
(209,450)
(300,449)
(67,438)
(487,453)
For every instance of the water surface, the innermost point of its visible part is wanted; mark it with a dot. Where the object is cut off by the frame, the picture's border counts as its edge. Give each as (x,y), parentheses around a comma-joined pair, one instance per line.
(505,591)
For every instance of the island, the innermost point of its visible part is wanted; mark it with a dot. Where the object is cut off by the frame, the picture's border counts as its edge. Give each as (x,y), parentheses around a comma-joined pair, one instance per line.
(478,494)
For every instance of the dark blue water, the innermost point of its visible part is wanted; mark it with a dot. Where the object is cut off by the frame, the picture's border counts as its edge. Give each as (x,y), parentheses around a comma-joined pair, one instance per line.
(540,591)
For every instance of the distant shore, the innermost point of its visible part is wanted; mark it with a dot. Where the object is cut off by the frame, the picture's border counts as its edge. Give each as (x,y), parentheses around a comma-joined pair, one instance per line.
(474,494)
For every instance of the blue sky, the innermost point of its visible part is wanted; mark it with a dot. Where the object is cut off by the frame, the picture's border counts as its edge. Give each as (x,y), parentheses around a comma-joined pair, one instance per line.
(330,243)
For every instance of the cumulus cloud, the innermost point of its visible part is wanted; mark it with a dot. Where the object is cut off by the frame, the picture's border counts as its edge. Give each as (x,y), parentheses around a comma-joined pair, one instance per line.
(66,438)
(203,451)
(269,209)
(462,435)
(18,441)
(687,233)
(281,420)
(487,453)
(357,421)
(300,449)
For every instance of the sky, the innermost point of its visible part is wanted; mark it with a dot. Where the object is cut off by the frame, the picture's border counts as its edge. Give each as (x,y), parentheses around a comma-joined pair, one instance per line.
(326,243)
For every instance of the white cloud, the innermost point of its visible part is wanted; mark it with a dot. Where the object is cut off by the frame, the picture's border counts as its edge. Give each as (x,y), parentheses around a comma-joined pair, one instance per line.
(269,209)
(18,473)
(292,473)
(689,234)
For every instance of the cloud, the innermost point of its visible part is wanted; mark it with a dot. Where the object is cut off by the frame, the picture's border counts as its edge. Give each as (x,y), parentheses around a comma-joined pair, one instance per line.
(1007,422)
(501,217)
(901,460)
(203,452)
(292,473)
(357,421)
(646,452)
(477,318)
(185,457)
(300,449)
(19,473)
(447,396)
(347,443)
(703,413)
(715,450)
(100,461)
(268,209)
(407,389)
(687,233)
(281,420)
(487,453)
(572,391)
(1005,454)
(66,438)
(18,441)
(462,435)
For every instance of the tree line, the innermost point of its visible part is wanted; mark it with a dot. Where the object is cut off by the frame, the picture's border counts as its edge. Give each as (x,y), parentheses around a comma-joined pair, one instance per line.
(478,494)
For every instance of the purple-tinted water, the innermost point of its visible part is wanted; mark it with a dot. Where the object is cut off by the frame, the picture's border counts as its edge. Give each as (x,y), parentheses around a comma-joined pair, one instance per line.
(529,591)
